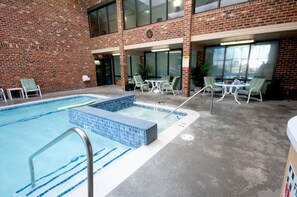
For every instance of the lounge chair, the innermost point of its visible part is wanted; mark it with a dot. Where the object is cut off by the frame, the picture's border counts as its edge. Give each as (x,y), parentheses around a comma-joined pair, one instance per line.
(2,94)
(30,86)
(254,89)
(139,83)
(210,81)
(171,86)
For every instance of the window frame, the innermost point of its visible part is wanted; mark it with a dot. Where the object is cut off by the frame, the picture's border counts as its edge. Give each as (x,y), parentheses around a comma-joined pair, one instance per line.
(222,78)
(136,11)
(96,9)
(219,6)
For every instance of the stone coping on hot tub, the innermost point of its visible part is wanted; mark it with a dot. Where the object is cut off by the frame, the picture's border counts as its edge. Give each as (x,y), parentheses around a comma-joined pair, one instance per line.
(115,103)
(127,130)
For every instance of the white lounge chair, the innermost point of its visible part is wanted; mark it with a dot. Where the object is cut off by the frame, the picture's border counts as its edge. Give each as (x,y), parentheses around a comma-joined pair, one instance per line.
(171,86)
(139,83)
(2,94)
(29,85)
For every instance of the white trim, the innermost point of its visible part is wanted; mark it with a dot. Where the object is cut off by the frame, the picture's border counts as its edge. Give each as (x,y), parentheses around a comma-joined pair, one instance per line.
(105,50)
(247,31)
(154,44)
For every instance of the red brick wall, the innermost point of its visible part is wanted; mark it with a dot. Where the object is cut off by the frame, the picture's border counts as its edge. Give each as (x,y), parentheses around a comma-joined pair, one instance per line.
(47,40)
(245,15)
(161,31)
(286,68)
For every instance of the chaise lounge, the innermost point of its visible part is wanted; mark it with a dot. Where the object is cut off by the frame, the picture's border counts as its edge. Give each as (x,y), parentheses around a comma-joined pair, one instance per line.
(29,85)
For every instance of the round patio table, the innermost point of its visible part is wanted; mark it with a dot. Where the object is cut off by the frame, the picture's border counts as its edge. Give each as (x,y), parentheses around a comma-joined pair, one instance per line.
(156,85)
(228,89)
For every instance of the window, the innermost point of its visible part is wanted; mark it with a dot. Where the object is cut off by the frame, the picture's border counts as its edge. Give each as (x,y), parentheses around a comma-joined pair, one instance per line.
(164,63)
(129,13)
(158,10)
(116,68)
(132,63)
(242,61)
(103,20)
(142,12)
(204,5)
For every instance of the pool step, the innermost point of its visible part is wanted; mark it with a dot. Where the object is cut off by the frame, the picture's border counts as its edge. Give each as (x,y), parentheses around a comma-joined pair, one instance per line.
(66,178)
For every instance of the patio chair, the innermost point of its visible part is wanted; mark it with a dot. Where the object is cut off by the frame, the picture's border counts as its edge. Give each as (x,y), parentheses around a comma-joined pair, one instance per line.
(210,81)
(254,89)
(30,86)
(171,86)
(2,94)
(166,77)
(139,83)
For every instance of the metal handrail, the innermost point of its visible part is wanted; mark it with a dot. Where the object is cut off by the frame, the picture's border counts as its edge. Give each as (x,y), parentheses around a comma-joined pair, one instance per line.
(211,105)
(89,150)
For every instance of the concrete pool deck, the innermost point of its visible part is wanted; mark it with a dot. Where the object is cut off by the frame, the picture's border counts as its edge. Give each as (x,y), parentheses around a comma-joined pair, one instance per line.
(241,150)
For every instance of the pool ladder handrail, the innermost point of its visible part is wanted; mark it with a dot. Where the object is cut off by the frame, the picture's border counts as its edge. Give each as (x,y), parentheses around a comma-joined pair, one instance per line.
(211,104)
(89,150)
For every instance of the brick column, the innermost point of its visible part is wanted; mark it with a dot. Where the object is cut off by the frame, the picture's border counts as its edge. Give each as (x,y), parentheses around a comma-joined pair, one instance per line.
(187,47)
(123,57)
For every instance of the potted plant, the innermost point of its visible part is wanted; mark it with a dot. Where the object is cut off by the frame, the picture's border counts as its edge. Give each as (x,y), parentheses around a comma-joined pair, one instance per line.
(144,71)
(198,74)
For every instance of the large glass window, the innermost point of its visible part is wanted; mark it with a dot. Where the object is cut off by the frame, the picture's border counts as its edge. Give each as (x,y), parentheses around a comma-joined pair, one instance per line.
(150,62)
(242,61)
(93,22)
(112,17)
(129,13)
(116,68)
(103,20)
(164,63)
(204,5)
(142,12)
(175,8)
(158,10)
(103,26)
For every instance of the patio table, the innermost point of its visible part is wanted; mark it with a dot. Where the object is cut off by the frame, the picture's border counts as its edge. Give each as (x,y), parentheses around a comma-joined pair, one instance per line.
(9,90)
(156,85)
(228,89)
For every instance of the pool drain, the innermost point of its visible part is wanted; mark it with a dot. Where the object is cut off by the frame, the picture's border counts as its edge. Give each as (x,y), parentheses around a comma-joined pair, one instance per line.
(187,137)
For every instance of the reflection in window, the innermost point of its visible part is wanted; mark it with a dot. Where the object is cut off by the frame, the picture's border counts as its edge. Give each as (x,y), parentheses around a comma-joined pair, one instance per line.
(103,27)
(164,63)
(93,22)
(175,8)
(143,12)
(103,20)
(129,13)
(112,18)
(204,5)
(262,60)
(158,10)
(242,61)
(236,62)
(230,2)
(214,57)
(150,63)
(116,68)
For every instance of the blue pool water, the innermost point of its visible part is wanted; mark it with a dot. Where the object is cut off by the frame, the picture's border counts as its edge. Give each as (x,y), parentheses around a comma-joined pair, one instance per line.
(25,129)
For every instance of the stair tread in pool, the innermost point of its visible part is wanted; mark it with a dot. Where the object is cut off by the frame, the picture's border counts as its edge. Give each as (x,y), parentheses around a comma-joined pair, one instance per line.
(66,178)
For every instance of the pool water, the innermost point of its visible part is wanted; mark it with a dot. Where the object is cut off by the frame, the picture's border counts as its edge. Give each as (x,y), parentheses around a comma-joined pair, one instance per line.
(152,114)
(25,129)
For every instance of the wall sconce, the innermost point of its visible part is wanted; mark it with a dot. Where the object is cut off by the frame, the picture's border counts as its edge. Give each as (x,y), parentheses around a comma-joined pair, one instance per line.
(97,62)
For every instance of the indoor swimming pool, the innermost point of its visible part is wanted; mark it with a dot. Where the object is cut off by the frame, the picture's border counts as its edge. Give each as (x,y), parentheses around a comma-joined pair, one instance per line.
(59,170)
